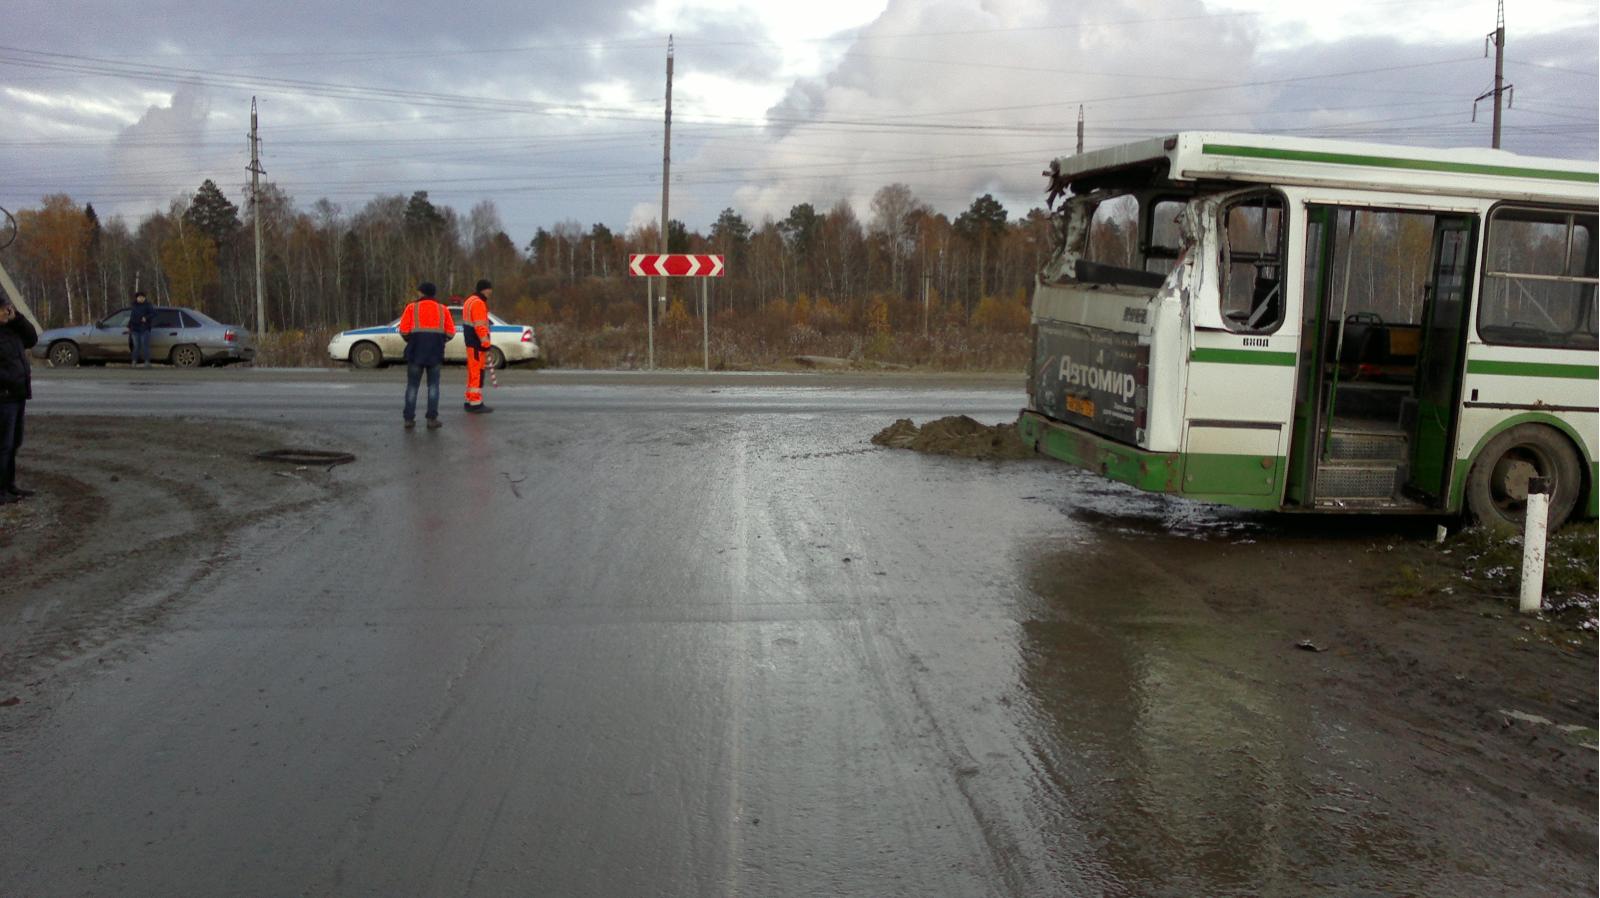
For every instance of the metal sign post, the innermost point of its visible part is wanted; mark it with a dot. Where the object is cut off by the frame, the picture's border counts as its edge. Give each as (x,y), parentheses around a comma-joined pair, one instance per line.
(678,265)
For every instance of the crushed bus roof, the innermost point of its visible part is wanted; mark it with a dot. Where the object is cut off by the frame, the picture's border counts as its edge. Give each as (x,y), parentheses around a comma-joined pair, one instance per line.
(1266,159)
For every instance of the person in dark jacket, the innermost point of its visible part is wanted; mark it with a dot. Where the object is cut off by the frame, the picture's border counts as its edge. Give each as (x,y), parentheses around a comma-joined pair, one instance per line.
(426,326)
(139,324)
(17,336)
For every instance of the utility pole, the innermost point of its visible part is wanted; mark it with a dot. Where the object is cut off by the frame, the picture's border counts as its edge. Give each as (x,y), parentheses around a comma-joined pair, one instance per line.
(666,180)
(1080,129)
(255,209)
(666,151)
(1498,38)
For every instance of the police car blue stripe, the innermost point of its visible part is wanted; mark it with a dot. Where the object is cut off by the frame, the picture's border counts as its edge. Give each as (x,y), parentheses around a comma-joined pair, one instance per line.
(368,331)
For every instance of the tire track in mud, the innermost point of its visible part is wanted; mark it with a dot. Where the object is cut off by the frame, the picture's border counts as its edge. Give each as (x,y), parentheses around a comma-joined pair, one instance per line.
(862,617)
(131,518)
(361,822)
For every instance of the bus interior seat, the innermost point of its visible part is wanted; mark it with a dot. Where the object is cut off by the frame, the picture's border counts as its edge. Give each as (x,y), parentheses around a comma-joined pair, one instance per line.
(1376,350)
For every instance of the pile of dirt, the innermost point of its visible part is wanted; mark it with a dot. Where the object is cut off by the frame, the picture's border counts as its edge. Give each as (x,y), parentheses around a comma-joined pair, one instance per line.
(956,435)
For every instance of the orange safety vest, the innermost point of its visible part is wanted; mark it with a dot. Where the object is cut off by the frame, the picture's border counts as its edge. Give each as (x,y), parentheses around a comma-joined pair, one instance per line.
(426,316)
(475,313)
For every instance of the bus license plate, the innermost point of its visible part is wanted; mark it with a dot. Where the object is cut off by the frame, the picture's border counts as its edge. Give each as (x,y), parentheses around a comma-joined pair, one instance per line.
(1080,406)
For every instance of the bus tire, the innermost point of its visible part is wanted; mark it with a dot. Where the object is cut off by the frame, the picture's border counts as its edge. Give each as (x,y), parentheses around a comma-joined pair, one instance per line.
(1497,486)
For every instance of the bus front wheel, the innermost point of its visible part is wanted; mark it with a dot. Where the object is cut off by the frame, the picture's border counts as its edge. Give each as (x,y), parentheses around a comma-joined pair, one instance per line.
(1497,487)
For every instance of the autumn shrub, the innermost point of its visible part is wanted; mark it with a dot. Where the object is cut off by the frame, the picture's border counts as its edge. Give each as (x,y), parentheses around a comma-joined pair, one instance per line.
(828,317)
(293,349)
(878,316)
(1000,314)
(677,318)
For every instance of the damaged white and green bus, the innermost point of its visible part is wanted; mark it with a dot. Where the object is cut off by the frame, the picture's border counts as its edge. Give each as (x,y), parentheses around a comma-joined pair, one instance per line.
(1322,326)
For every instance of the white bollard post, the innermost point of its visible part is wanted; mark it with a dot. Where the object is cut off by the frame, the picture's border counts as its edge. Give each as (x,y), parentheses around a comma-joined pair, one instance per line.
(1536,521)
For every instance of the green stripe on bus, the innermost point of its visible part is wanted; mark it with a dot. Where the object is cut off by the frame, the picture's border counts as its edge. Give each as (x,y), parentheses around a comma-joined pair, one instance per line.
(1533,369)
(1242,357)
(1460,168)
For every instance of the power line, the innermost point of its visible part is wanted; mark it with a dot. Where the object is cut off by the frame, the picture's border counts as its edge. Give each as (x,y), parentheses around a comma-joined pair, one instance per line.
(1553,68)
(163,73)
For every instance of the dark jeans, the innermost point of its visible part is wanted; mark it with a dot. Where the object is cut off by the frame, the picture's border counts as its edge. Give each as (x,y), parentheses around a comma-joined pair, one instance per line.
(413,380)
(141,346)
(10,442)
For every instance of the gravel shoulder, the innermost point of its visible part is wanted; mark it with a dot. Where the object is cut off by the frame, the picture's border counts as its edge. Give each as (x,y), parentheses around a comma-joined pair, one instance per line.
(130,515)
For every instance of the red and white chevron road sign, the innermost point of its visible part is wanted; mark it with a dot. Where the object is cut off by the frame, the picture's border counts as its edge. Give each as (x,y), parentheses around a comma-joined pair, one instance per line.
(674,265)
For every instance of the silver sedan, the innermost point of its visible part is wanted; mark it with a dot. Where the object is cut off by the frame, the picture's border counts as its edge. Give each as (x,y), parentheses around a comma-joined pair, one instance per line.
(373,347)
(184,337)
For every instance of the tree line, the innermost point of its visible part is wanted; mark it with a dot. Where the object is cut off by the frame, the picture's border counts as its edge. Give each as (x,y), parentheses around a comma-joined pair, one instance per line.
(327,268)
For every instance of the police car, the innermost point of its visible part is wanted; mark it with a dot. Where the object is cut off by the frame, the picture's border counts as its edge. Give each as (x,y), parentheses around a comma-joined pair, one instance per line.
(374,347)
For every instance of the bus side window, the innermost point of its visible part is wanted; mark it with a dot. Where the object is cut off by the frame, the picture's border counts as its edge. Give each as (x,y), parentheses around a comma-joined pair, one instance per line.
(1252,273)
(1165,242)
(1112,232)
(1540,280)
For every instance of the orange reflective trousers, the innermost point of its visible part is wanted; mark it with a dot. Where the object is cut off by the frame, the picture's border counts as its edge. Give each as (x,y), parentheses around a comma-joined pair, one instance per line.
(475,318)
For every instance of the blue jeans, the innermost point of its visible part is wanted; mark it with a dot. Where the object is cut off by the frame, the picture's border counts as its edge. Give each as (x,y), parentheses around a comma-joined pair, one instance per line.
(10,442)
(141,346)
(414,380)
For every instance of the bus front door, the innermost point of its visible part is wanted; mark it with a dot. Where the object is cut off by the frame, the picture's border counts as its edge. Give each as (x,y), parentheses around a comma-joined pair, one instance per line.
(1437,395)
(1308,404)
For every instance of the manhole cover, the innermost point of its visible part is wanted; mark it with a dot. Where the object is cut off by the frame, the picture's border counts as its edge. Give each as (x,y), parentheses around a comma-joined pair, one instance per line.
(306,457)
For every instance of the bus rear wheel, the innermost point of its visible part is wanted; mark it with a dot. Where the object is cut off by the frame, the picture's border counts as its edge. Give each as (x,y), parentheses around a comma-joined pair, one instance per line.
(1497,487)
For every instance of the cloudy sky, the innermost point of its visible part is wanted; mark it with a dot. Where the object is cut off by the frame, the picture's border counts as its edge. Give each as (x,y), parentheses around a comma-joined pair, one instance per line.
(553,110)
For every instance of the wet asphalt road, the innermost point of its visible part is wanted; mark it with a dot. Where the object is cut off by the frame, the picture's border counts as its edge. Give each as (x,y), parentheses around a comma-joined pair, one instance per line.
(686,638)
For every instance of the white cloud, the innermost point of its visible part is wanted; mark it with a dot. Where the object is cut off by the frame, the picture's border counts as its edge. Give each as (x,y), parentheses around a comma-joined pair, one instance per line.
(71,102)
(1286,25)
(961,97)
(644,215)
(160,152)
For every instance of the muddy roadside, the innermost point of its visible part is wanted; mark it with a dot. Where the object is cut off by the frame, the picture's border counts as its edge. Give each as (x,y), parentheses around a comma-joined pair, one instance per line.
(1383,683)
(130,515)
(1315,713)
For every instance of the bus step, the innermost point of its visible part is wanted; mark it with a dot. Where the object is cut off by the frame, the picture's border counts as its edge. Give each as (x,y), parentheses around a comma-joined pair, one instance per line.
(1366,445)
(1357,481)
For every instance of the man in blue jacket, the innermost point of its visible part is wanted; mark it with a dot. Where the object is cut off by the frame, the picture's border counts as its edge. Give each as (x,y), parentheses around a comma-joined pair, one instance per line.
(139,324)
(426,326)
(17,336)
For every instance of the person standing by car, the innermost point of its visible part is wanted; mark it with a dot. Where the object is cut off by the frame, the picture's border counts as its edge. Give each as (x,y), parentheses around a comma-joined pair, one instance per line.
(475,315)
(139,324)
(17,336)
(426,326)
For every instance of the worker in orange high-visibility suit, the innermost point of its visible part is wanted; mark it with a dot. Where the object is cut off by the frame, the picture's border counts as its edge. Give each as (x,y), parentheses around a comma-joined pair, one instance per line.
(475,330)
(426,326)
